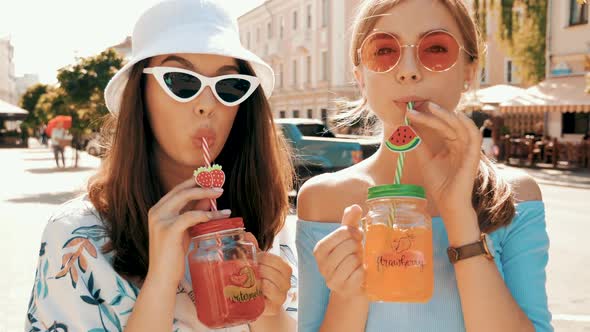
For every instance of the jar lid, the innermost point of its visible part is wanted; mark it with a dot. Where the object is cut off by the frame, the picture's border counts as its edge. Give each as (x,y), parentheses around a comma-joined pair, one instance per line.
(214,226)
(397,190)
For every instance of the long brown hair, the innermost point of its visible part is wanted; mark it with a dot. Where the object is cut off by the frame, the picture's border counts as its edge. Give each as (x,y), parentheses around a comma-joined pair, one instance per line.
(255,158)
(492,196)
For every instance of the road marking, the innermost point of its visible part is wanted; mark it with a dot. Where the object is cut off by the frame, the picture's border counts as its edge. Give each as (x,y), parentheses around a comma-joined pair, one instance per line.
(572,318)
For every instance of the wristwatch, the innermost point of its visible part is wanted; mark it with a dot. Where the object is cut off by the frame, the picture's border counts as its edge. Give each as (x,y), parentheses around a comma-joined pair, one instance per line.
(484,246)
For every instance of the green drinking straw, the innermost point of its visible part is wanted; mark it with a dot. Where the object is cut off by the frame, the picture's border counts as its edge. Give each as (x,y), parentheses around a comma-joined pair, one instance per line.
(402,155)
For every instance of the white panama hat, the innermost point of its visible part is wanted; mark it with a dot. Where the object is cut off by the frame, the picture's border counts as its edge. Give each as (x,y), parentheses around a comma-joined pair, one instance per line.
(186,26)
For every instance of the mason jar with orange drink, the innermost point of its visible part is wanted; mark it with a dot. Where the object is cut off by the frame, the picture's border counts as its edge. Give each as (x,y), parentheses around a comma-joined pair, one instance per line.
(398,257)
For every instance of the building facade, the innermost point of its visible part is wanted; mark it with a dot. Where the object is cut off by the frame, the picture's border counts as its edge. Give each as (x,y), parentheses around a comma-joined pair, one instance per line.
(24,82)
(496,65)
(7,78)
(568,60)
(561,98)
(306,43)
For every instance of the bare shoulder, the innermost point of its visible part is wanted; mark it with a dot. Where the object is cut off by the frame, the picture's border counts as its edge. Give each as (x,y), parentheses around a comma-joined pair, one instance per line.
(324,197)
(523,185)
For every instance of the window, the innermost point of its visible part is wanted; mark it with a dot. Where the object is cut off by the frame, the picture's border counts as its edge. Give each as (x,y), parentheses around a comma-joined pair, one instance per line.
(324,115)
(325,13)
(295,20)
(282,27)
(281,75)
(309,113)
(294,72)
(296,114)
(575,123)
(308,67)
(324,65)
(282,114)
(269,30)
(483,75)
(309,16)
(510,72)
(578,13)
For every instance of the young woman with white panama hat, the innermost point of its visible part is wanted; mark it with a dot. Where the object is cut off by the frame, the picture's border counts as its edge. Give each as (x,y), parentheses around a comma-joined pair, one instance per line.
(115,258)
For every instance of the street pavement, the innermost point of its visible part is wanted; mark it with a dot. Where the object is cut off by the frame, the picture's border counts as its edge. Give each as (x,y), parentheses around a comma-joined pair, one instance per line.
(31,187)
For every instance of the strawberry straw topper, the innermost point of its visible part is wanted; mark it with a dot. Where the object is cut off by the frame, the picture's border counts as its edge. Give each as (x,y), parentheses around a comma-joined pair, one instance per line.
(209,176)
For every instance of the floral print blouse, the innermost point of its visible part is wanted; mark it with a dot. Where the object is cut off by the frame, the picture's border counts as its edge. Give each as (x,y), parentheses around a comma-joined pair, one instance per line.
(77,289)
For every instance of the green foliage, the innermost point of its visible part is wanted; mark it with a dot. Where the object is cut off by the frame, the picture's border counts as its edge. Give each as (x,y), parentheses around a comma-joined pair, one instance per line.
(84,83)
(79,94)
(522,32)
(28,102)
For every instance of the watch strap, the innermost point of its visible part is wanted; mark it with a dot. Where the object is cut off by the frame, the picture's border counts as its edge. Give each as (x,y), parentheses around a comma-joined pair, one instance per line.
(467,251)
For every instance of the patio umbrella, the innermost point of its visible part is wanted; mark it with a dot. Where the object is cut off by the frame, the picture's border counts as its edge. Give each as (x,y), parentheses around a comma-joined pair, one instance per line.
(65,119)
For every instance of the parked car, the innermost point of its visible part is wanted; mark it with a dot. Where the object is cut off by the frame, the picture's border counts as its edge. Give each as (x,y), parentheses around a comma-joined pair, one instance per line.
(317,150)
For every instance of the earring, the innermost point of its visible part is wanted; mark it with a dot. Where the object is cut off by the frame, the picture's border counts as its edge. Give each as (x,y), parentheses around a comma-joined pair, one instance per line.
(465,86)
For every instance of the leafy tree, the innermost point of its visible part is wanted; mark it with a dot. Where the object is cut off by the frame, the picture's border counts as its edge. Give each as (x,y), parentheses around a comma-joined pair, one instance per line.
(28,102)
(522,32)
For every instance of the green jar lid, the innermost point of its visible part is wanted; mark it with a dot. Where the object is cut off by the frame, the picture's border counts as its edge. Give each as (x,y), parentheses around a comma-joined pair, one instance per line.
(397,190)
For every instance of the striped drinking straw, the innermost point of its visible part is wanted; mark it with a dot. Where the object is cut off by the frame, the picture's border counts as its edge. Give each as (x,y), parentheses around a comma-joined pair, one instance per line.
(402,155)
(207,157)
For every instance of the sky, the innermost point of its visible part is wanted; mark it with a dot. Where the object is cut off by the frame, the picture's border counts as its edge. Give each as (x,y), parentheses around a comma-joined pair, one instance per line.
(48,35)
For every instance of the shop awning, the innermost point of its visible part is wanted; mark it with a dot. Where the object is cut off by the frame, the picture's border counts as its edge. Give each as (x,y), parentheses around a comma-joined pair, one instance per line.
(498,94)
(11,112)
(556,94)
(487,99)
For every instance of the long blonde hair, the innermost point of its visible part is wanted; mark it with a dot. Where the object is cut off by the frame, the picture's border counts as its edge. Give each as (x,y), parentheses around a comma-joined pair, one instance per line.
(493,198)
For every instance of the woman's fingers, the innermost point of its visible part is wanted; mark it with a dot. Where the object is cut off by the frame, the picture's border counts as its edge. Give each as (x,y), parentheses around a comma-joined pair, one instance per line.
(273,293)
(326,245)
(342,251)
(351,216)
(474,135)
(274,276)
(344,271)
(191,218)
(174,204)
(357,277)
(450,118)
(433,122)
(475,141)
(276,263)
(189,183)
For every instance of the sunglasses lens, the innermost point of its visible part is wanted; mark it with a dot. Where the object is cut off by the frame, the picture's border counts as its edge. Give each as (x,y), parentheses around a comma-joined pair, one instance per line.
(181,84)
(380,52)
(232,89)
(438,51)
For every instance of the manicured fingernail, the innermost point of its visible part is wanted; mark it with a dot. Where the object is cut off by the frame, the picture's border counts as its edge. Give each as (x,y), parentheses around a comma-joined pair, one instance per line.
(413,112)
(435,107)
(226,212)
(217,190)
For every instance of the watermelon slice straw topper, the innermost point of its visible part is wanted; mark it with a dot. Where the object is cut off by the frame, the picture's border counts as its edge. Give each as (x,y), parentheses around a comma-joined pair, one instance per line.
(402,140)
